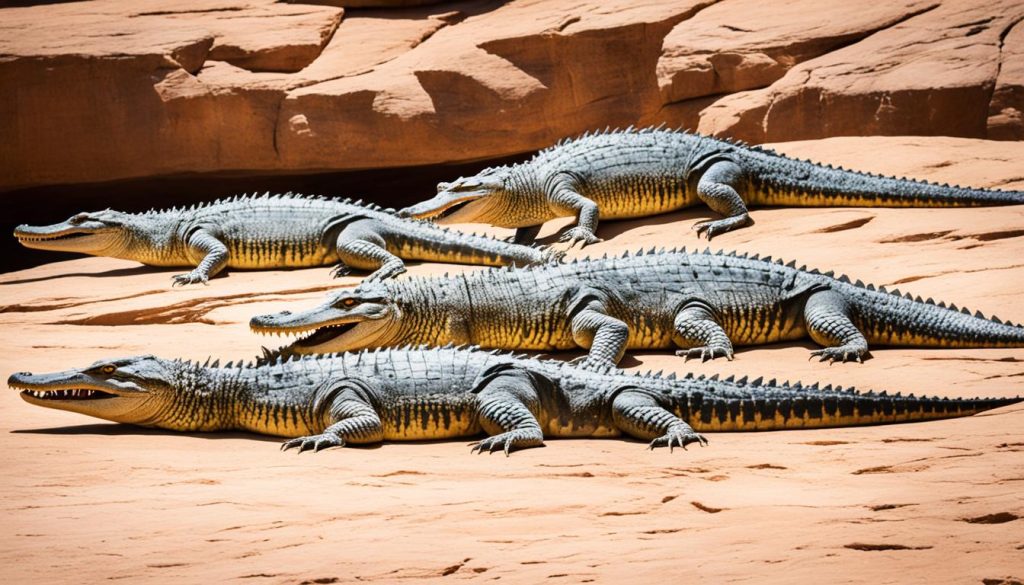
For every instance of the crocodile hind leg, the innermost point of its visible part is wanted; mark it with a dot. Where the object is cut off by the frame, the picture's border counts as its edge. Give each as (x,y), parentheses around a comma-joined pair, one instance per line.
(215,258)
(718,189)
(360,246)
(593,328)
(639,415)
(827,317)
(506,407)
(564,199)
(357,422)
(699,334)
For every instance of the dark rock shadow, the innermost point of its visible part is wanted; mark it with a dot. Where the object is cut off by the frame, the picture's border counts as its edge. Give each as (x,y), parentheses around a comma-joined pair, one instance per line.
(610,229)
(112,430)
(115,273)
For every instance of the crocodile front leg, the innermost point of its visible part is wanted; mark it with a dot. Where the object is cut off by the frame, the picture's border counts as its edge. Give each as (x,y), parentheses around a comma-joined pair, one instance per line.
(564,199)
(698,332)
(827,316)
(639,415)
(357,422)
(593,328)
(718,189)
(215,258)
(361,246)
(507,405)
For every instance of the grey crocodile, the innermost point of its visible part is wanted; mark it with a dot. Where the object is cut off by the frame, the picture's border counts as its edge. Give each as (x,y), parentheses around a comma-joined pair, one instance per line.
(273,231)
(636,173)
(703,303)
(409,394)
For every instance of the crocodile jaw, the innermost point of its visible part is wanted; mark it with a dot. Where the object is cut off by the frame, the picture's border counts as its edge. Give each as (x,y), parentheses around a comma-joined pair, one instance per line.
(324,334)
(63,237)
(73,391)
(444,206)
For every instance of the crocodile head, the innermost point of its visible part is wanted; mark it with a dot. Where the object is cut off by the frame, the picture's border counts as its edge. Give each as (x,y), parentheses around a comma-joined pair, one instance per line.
(477,199)
(97,233)
(132,390)
(350,319)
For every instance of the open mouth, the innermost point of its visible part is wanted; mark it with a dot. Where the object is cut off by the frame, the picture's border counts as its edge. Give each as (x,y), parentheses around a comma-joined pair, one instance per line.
(454,208)
(324,334)
(68,394)
(49,238)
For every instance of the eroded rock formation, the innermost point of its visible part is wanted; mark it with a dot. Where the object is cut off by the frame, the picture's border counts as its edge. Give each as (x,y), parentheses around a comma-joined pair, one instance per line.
(107,90)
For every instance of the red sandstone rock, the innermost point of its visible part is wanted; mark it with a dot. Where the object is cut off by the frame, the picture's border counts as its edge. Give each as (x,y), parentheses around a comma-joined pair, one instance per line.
(932,74)
(1006,111)
(98,91)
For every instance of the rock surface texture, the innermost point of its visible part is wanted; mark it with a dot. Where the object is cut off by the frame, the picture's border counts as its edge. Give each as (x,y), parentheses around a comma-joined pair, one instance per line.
(106,90)
(935,502)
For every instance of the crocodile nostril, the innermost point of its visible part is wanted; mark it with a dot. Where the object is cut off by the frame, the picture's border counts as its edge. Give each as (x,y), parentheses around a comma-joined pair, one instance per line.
(286,312)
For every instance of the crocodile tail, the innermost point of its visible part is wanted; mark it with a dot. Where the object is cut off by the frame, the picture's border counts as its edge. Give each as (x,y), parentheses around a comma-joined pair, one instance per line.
(889,318)
(728,405)
(441,244)
(781,181)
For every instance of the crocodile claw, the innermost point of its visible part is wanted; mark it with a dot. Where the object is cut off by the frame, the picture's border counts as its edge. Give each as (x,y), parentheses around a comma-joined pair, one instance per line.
(492,444)
(705,353)
(837,354)
(678,437)
(313,443)
(191,278)
(579,234)
(713,227)
(340,270)
(705,227)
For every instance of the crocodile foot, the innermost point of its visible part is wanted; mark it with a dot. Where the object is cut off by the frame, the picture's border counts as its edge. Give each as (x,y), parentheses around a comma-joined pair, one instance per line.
(712,227)
(314,443)
(679,436)
(579,234)
(838,354)
(386,272)
(705,353)
(507,441)
(340,270)
(191,278)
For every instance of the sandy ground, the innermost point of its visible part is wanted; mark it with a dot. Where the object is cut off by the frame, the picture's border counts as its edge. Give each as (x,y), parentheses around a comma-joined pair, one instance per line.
(932,502)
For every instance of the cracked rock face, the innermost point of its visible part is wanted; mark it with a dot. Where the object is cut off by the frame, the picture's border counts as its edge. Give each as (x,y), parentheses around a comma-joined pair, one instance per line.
(110,90)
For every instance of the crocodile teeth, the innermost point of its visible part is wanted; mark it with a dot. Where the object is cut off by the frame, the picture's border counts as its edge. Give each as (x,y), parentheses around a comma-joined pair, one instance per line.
(69,394)
(48,238)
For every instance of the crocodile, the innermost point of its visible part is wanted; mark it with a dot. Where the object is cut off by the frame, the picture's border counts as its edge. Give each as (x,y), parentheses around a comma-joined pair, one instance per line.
(635,173)
(273,231)
(701,302)
(418,393)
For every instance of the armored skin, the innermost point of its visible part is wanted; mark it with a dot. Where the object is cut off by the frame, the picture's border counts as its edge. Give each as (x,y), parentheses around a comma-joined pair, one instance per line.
(410,394)
(704,303)
(636,173)
(279,231)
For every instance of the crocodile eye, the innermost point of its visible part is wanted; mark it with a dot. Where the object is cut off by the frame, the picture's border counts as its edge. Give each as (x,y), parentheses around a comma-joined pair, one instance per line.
(81,217)
(349,302)
(108,370)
